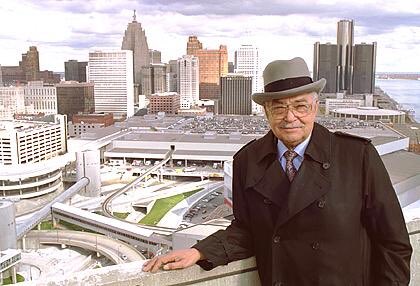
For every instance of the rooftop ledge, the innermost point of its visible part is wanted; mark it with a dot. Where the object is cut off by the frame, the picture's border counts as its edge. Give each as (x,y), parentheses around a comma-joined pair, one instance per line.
(243,272)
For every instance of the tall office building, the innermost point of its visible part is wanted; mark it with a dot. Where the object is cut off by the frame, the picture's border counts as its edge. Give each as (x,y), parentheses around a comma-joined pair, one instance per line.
(155,57)
(345,39)
(326,65)
(74,70)
(74,97)
(236,91)
(188,81)
(159,78)
(248,63)
(172,76)
(342,59)
(364,68)
(213,65)
(231,67)
(135,40)
(30,64)
(112,75)
(27,70)
(153,79)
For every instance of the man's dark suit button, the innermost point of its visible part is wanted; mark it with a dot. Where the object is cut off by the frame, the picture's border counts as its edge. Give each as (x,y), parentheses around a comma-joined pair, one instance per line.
(326,165)
(315,245)
(267,202)
(276,239)
(321,203)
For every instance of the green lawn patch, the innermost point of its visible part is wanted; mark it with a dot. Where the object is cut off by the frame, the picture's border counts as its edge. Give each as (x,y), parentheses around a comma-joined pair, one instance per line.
(46,225)
(162,206)
(8,280)
(120,215)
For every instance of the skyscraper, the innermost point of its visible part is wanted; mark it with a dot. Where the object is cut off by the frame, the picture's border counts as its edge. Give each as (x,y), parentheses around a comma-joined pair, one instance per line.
(153,79)
(231,67)
(345,39)
(247,62)
(135,40)
(337,63)
(155,56)
(188,81)
(364,68)
(172,76)
(112,75)
(325,65)
(30,64)
(28,69)
(236,91)
(74,70)
(213,65)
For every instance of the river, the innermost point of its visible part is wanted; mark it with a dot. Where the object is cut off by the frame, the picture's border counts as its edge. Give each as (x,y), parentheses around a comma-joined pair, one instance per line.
(405,92)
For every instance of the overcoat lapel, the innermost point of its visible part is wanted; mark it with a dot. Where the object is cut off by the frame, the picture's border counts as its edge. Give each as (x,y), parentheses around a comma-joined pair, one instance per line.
(265,174)
(274,184)
(308,186)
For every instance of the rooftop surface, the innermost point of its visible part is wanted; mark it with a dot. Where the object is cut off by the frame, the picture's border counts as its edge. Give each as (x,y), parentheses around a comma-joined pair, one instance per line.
(368,111)
(401,165)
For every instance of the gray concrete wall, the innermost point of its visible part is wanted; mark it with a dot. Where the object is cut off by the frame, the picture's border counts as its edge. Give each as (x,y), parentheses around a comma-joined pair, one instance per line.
(239,273)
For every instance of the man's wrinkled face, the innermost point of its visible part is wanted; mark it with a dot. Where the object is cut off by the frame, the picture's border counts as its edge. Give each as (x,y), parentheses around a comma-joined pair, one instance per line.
(292,119)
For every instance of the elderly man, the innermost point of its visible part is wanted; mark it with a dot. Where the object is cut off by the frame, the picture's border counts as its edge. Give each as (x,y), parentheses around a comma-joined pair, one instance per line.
(314,207)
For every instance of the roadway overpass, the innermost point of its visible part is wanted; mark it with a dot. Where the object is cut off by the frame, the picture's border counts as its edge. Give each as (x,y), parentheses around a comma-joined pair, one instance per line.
(116,251)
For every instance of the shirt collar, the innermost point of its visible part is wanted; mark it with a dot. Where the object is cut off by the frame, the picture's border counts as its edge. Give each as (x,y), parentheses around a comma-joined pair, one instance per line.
(299,149)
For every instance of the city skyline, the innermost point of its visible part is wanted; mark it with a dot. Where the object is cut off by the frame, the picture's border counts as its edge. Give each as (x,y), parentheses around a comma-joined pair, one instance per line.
(64,30)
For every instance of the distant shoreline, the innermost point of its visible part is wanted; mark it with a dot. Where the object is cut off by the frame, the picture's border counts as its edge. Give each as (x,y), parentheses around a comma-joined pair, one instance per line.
(390,103)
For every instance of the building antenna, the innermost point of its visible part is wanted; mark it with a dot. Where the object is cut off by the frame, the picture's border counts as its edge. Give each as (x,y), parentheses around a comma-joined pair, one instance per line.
(134,16)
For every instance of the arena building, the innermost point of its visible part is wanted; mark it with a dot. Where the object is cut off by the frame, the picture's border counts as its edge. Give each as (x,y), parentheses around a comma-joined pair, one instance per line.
(370,114)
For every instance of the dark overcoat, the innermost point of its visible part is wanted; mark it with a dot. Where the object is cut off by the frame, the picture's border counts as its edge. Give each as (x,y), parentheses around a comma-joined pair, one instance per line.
(338,223)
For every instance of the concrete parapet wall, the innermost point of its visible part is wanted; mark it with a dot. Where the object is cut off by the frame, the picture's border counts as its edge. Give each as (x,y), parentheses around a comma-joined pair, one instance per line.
(414,231)
(241,273)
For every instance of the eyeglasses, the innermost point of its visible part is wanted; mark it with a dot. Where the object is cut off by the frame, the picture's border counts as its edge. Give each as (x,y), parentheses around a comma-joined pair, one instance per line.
(298,109)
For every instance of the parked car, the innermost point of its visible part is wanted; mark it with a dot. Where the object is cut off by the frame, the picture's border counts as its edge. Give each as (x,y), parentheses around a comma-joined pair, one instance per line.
(189,169)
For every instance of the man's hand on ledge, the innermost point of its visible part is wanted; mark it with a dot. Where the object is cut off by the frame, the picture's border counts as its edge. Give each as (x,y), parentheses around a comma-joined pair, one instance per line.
(177,259)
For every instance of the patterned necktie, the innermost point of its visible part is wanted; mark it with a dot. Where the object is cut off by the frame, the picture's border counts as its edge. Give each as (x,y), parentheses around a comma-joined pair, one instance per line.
(290,168)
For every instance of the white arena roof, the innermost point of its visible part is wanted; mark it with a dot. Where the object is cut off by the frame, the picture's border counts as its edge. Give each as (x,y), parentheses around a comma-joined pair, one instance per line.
(374,111)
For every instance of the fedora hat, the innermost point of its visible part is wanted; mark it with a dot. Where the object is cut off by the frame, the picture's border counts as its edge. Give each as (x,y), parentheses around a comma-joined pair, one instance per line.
(285,78)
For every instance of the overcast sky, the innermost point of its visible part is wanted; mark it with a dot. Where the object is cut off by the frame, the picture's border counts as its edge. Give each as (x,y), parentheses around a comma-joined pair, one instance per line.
(64,30)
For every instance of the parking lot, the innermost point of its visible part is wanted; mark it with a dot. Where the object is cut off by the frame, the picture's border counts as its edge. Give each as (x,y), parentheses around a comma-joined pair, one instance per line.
(199,212)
